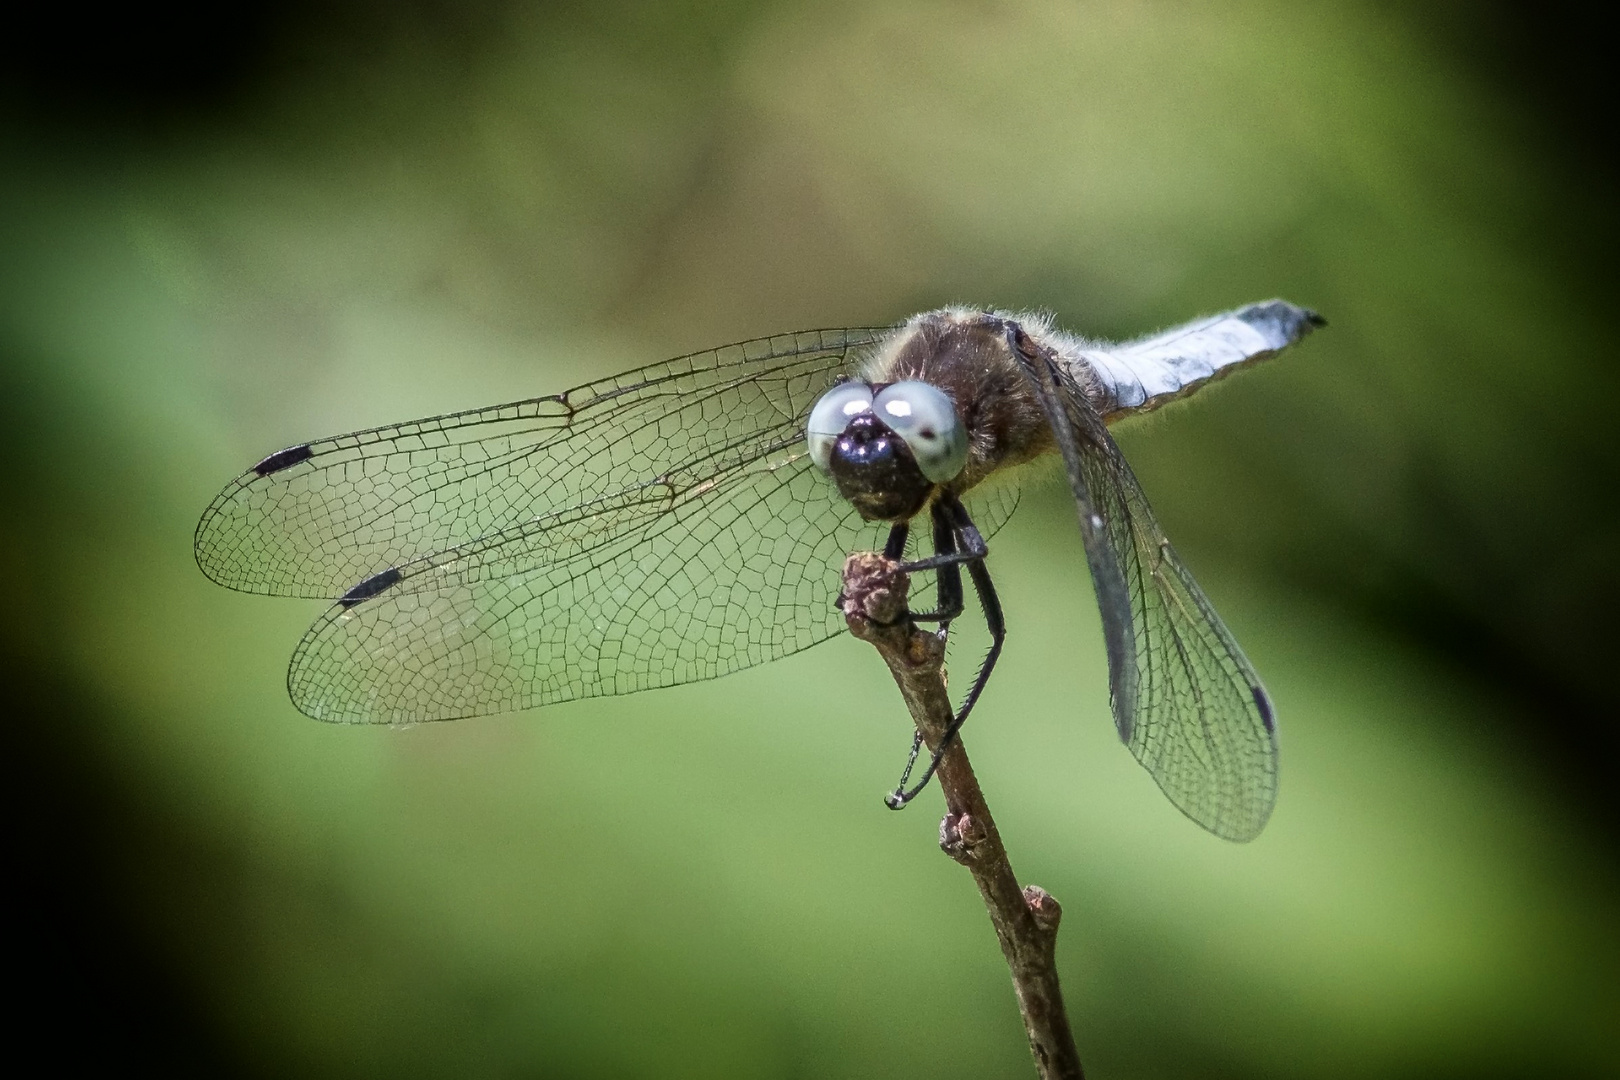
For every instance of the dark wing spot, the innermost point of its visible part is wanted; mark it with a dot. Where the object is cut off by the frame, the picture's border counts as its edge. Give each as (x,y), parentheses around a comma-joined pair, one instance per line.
(284,459)
(370,587)
(1263,703)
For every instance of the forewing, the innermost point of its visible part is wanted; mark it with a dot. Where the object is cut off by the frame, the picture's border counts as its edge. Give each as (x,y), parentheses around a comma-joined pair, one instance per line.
(646,590)
(706,571)
(1185,698)
(316,519)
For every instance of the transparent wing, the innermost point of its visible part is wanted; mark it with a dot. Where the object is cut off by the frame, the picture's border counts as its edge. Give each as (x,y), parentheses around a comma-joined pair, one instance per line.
(658,528)
(642,590)
(1185,698)
(314,519)
(686,580)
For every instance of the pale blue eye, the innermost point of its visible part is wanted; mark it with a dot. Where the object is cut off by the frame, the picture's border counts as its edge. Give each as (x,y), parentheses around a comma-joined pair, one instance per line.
(832,415)
(925,418)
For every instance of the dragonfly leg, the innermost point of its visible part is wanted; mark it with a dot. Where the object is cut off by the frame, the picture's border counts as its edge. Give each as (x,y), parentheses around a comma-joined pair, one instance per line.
(949,580)
(948,575)
(966,546)
(950,595)
(911,763)
(948,568)
(972,541)
(895,547)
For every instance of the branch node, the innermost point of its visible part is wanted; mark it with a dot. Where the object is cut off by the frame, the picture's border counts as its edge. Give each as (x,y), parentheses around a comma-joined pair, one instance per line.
(961,837)
(1044,908)
(873,592)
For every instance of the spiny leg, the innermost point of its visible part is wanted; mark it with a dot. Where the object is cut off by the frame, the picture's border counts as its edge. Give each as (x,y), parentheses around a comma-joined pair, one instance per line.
(948,591)
(945,561)
(963,530)
(895,547)
(948,575)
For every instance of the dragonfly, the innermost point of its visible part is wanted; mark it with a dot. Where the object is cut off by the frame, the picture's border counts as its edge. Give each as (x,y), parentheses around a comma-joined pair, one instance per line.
(688,519)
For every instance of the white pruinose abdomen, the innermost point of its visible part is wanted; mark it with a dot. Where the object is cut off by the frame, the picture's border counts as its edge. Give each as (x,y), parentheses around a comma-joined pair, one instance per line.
(1141,375)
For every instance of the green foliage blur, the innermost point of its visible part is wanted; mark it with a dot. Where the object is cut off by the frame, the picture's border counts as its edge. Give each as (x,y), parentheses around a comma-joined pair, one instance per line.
(217,239)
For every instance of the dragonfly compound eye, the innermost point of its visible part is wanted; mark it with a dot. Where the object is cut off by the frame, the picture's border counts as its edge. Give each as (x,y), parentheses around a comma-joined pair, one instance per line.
(832,415)
(925,418)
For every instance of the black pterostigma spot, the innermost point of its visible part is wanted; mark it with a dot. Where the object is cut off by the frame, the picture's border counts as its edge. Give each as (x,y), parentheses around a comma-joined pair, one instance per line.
(1263,704)
(284,459)
(370,587)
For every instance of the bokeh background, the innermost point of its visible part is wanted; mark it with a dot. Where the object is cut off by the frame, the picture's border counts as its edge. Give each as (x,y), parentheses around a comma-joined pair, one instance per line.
(223,233)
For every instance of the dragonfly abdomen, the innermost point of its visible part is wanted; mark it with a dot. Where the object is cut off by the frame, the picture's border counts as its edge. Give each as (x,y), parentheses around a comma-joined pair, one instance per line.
(1142,375)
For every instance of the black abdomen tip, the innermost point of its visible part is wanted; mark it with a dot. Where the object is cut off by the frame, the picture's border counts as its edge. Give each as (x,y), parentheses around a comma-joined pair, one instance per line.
(370,587)
(1281,322)
(284,459)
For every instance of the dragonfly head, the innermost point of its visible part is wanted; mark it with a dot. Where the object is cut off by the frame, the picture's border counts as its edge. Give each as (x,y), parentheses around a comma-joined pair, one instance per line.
(887,450)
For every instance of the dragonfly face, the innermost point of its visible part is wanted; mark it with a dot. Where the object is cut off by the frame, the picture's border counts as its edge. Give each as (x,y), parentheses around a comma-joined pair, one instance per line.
(676,522)
(887,446)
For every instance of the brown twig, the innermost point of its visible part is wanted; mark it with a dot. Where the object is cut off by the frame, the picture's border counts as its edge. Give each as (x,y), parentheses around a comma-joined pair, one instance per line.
(1025,919)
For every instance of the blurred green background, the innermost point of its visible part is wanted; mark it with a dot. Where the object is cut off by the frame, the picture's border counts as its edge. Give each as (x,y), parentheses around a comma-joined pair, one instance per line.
(224,233)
